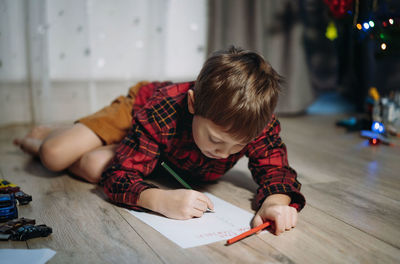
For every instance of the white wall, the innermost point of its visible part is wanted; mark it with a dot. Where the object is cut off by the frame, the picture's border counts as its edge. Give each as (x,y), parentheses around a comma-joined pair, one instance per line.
(61,59)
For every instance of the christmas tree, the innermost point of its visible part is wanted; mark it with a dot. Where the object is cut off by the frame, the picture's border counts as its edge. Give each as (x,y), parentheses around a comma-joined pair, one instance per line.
(367,37)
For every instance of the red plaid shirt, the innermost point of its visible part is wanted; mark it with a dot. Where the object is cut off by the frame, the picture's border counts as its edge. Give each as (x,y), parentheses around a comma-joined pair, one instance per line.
(162,131)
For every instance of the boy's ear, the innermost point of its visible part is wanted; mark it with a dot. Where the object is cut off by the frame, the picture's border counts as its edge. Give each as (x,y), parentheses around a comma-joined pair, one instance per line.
(191,101)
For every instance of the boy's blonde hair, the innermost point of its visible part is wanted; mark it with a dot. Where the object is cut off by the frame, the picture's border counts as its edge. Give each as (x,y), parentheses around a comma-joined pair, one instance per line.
(237,89)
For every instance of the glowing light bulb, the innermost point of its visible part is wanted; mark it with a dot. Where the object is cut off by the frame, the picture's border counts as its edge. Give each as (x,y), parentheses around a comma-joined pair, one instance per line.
(383,46)
(391,21)
(359,27)
(366,25)
(371,23)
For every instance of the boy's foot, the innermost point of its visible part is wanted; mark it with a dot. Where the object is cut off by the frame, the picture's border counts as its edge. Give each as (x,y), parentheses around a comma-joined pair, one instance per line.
(32,141)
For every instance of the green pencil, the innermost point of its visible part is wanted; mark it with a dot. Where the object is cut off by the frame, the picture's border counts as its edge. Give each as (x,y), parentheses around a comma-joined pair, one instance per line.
(173,173)
(180,180)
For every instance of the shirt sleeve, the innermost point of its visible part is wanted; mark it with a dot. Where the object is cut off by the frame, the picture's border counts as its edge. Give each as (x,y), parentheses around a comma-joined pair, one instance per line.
(269,167)
(136,157)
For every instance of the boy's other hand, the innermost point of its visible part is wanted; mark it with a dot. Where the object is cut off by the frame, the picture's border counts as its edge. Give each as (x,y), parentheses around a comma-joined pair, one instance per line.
(183,204)
(276,209)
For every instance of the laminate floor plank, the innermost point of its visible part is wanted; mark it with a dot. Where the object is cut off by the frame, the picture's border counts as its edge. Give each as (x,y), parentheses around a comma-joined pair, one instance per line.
(321,238)
(331,153)
(372,213)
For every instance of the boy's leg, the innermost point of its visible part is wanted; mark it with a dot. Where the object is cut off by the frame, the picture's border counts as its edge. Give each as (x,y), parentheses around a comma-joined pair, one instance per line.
(107,126)
(61,148)
(90,166)
(32,141)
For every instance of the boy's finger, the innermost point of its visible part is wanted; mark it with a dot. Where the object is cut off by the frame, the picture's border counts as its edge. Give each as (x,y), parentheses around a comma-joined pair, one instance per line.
(200,205)
(294,218)
(207,200)
(197,213)
(279,225)
(257,220)
(288,221)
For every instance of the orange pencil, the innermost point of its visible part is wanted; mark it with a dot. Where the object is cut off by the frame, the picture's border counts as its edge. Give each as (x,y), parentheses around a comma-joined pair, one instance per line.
(248,233)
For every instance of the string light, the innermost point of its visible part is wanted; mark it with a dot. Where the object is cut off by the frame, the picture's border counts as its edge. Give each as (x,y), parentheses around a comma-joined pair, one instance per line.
(331,31)
(371,23)
(359,27)
(391,21)
(383,46)
(366,26)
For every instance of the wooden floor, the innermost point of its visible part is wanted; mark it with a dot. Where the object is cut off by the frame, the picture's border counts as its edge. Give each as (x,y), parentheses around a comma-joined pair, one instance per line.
(352,213)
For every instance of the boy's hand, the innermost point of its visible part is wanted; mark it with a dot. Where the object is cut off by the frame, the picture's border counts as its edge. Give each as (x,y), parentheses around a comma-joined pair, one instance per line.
(179,204)
(276,209)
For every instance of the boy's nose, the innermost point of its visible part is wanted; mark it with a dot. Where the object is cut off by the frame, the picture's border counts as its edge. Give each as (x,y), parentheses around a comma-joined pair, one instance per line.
(222,154)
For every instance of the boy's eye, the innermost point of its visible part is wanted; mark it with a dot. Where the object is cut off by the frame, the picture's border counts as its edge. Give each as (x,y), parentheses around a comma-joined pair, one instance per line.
(213,140)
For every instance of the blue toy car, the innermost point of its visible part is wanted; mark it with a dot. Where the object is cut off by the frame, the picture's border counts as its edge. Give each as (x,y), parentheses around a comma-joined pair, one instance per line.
(8,207)
(9,187)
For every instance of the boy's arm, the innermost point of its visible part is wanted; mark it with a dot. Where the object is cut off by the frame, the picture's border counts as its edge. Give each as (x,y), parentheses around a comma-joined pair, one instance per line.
(278,185)
(135,158)
(269,166)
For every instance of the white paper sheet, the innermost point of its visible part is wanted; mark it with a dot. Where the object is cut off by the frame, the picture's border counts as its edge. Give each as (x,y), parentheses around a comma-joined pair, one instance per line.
(226,222)
(23,256)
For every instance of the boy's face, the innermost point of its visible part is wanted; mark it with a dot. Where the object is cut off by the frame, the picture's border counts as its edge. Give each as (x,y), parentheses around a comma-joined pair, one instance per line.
(211,139)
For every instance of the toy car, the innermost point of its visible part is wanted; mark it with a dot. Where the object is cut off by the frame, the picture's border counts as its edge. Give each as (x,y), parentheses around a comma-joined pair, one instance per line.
(8,187)
(8,207)
(5,183)
(14,224)
(23,198)
(30,231)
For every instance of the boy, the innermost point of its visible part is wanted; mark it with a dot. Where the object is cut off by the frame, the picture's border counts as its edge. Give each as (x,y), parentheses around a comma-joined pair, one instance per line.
(200,128)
